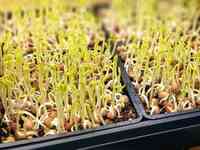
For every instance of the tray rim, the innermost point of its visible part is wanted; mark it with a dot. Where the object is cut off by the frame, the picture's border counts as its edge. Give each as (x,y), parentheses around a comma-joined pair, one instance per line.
(146,127)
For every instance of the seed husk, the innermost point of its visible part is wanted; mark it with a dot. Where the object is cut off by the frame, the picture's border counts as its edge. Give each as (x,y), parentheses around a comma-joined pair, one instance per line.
(120,49)
(112,114)
(154,102)
(21,135)
(9,139)
(169,107)
(163,94)
(155,110)
(198,101)
(51,116)
(48,122)
(28,124)
(124,99)
(68,125)
(175,87)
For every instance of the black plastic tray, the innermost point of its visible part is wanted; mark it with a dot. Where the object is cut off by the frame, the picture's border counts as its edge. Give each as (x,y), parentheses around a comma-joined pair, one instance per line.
(145,134)
(131,90)
(71,140)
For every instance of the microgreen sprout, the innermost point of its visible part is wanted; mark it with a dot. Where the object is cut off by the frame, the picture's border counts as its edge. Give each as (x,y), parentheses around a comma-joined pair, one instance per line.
(164,67)
(51,81)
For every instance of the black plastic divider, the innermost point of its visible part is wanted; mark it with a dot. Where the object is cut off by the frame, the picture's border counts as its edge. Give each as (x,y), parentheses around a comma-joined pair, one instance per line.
(72,140)
(130,89)
(135,97)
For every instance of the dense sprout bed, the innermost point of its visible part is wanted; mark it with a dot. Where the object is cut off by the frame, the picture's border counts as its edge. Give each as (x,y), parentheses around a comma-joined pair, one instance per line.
(58,62)
(56,71)
(162,55)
